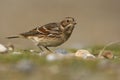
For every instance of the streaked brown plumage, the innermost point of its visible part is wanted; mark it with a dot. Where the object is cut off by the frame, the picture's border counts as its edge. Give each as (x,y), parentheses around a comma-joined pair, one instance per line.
(50,35)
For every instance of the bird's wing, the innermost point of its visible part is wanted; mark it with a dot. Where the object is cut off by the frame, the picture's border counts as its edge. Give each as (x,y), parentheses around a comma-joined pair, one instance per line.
(48,30)
(32,32)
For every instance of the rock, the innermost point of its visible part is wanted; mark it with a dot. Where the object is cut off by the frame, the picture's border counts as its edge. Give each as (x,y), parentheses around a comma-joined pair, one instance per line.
(10,47)
(15,52)
(108,55)
(32,51)
(84,54)
(61,51)
(3,49)
(53,57)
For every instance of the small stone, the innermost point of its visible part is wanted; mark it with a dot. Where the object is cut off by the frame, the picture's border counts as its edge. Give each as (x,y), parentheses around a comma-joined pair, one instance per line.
(108,55)
(10,47)
(84,54)
(32,51)
(53,57)
(3,48)
(16,52)
(61,51)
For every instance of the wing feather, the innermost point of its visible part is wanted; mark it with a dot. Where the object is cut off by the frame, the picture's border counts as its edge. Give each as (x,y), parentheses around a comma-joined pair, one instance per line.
(48,29)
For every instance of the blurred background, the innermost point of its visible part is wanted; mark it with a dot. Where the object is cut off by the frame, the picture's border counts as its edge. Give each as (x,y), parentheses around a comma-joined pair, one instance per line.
(98,21)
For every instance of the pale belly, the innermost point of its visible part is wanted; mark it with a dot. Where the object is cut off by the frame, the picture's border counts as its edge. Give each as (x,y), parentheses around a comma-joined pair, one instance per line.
(49,42)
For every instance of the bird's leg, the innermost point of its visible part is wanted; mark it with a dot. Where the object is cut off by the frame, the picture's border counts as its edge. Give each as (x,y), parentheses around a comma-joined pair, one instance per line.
(47,49)
(41,50)
(40,47)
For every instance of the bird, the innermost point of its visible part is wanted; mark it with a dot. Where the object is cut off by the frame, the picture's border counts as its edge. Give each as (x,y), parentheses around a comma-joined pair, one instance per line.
(49,35)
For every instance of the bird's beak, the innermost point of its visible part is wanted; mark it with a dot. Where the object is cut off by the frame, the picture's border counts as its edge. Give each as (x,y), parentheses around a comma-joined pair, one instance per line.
(74,23)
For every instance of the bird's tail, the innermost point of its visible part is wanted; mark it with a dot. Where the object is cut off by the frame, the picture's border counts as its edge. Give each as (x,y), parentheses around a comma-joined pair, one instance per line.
(12,37)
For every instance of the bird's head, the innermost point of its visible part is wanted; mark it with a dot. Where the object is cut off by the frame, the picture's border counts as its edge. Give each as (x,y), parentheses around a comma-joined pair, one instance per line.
(68,21)
(67,26)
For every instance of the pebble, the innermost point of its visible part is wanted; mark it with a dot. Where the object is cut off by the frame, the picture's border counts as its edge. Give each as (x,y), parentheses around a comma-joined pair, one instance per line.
(53,57)
(10,47)
(84,54)
(3,49)
(15,52)
(107,54)
(64,53)
(61,51)
(32,51)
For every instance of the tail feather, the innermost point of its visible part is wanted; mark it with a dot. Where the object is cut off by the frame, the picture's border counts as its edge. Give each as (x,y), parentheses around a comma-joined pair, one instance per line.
(11,37)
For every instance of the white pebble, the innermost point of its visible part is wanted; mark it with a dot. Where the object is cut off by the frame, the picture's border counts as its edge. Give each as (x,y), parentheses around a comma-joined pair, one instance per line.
(84,54)
(53,57)
(3,48)
(16,52)
(10,47)
(32,51)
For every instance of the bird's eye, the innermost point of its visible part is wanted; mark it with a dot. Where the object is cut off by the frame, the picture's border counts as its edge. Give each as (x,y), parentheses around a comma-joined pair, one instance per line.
(68,21)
